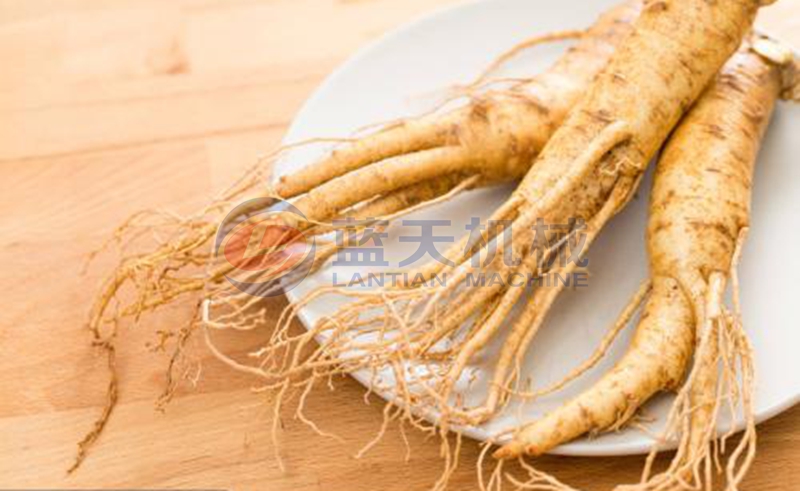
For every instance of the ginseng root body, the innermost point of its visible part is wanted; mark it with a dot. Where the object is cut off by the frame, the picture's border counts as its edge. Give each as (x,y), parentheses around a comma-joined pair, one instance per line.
(586,173)
(491,139)
(495,136)
(699,214)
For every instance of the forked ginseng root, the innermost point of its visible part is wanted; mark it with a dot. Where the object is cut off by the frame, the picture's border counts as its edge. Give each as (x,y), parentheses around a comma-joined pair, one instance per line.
(586,173)
(491,139)
(699,215)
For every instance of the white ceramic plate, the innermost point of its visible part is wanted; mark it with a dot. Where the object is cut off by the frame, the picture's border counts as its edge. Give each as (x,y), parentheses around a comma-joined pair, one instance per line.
(400,74)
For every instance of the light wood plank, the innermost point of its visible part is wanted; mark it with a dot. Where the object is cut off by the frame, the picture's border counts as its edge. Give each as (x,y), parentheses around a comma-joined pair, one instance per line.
(111,106)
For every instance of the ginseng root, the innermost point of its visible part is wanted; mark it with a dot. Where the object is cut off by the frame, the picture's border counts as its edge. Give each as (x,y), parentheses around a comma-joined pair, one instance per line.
(405,165)
(585,174)
(699,215)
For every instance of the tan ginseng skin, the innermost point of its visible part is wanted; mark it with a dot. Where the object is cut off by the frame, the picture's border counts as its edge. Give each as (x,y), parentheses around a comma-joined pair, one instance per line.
(700,204)
(495,137)
(592,164)
(588,170)
(492,139)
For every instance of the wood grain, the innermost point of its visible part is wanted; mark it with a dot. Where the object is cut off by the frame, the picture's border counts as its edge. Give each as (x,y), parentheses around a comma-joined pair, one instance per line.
(111,106)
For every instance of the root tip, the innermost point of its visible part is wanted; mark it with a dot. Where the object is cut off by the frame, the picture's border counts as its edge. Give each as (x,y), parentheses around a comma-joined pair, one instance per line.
(509,451)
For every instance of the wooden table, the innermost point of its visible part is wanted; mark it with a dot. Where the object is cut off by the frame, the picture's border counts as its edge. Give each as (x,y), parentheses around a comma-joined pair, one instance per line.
(110,106)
